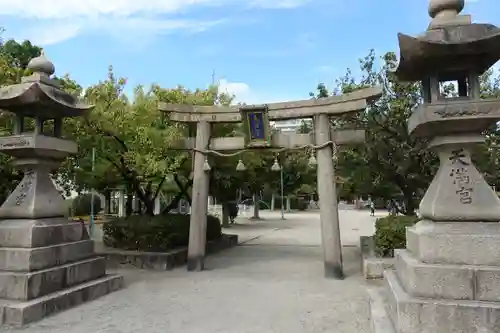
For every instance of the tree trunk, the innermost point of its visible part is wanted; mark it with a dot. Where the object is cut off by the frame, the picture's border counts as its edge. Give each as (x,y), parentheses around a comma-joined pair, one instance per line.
(146,201)
(146,204)
(149,204)
(256,210)
(183,193)
(129,204)
(409,203)
(225,215)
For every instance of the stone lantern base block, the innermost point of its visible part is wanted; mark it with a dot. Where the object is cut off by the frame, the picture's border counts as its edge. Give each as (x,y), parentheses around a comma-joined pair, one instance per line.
(447,280)
(27,233)
(461,243)
(418,315)
(48,265)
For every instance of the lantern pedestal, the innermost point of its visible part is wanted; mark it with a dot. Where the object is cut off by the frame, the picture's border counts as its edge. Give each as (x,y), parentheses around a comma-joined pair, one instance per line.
(459,191)
(447,280)
(48,265)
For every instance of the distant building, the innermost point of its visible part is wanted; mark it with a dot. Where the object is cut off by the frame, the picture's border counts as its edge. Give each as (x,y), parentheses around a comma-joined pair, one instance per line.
(292,125)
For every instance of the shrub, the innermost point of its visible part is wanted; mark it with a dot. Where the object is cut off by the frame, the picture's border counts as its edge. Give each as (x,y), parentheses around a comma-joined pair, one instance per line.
(81,204)
(154,233)
(390,233)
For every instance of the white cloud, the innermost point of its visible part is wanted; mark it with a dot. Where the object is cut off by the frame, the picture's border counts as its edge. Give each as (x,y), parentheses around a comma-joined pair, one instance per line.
(279,4)
(59,9)
(64,9)
(127,29)
(57,20)
(50,34)
(240,90)
(243,93)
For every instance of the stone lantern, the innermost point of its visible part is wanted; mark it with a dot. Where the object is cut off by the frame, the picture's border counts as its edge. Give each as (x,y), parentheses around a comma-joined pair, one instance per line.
(448,278)
(47,263)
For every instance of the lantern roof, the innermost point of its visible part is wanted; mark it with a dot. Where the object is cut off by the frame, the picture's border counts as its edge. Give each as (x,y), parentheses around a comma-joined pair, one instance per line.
(40,95)
(451,46)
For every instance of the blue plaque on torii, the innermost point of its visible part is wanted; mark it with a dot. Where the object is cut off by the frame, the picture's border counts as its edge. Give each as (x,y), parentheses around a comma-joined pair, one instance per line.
(256,123)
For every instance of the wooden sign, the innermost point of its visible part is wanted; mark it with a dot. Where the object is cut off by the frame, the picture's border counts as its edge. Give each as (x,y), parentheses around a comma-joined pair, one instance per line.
(256,126)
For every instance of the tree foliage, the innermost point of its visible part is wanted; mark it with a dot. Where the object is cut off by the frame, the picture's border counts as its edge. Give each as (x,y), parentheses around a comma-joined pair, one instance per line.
(393,165)
(132,142)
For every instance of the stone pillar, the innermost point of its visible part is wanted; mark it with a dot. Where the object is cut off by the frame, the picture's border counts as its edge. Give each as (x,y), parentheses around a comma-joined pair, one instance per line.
(136,203)
(199,208)
(121,203)
(102,198)
(256,210)
(157,205)
(273,199)
(330,230)
(288,204)
(459,190)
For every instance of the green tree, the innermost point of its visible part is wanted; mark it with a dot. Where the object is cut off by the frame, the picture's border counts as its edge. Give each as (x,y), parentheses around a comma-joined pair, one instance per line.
(20,54)
(398,164)
(392,164)
(132,143)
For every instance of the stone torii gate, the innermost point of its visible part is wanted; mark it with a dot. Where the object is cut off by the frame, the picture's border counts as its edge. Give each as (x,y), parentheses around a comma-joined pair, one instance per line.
(256,119)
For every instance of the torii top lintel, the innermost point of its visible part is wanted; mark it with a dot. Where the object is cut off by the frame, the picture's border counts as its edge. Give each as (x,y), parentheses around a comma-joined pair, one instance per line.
(337,105)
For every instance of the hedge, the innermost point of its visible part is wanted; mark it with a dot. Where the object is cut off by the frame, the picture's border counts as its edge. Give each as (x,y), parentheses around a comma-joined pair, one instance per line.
(390,234)
(158,233)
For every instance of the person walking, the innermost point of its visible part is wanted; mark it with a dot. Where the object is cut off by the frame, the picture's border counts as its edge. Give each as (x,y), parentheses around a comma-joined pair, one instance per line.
(233,211)
(372,208)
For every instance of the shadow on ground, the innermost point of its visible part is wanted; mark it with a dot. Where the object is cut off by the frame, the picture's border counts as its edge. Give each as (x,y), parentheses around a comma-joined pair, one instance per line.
(251,256)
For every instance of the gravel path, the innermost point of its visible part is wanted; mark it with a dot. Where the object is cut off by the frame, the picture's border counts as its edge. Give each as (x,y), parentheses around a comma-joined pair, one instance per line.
(273,282)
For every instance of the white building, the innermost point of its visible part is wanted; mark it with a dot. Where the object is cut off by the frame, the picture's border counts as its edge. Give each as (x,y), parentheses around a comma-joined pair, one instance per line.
(291,125)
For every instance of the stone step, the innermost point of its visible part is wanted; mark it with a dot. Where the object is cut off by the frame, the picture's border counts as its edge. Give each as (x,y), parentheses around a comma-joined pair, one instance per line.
(379,320)
(29,285)
(468,282)
(17,314)
(30,259)
(416,315)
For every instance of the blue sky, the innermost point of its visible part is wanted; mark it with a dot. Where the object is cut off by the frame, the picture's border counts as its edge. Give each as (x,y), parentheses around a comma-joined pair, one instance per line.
(261,50)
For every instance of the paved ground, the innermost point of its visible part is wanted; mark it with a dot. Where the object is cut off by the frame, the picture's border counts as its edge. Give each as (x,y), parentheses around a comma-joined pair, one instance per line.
(272,282)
